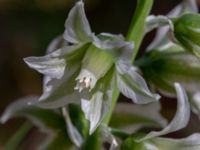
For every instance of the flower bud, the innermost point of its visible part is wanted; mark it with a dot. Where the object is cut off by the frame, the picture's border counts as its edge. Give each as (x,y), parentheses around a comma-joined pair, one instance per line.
(187,32)
(163,68)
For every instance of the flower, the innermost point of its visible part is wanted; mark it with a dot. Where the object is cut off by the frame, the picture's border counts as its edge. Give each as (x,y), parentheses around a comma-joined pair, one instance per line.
(82,67)
(168,60)
(163,67)
(187,32)
(152,141)
(165,24)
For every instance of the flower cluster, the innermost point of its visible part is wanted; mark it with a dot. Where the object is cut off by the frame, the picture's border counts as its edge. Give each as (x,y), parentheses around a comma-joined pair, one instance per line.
(84,73)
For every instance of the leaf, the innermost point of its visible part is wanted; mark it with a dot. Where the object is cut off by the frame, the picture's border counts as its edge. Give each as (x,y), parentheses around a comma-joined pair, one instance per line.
(137,116)
(181,117)
(77,28)
(133,86)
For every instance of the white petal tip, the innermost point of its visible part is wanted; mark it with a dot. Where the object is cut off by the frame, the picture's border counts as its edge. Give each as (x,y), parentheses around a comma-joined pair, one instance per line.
(3,119)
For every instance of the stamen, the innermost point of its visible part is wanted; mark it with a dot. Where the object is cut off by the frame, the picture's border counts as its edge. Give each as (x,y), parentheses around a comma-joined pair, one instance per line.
(85,80)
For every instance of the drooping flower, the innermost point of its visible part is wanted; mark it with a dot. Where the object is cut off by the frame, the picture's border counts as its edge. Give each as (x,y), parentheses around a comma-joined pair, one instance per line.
(169,60)
(163,67)
(165,24)
(152,141)
(82,67)
(187,32)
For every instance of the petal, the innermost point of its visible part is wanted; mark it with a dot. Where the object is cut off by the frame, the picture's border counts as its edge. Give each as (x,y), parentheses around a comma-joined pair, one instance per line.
(187,6)
(77,28)
(115,45)
(50,65)
(195,103)
(54,63)
(74,52)
(191,6)
(108,137)
(192,142)
(40,117)
(55,44)
(153,22)
(137,116)
(93,110)
(73,133)
(16,106)
(133,86)
(160,36)
(59,92)
(181,117)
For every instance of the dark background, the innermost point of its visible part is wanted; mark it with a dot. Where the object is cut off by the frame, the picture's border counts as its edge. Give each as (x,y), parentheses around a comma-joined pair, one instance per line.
(26,28)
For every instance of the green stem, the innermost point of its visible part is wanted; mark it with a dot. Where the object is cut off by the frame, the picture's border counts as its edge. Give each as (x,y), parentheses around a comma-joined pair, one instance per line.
(136,30)
(93,142)
(135,34)
(18,137)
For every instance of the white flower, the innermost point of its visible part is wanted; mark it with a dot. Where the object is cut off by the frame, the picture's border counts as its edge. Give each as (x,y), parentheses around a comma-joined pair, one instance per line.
(81,65)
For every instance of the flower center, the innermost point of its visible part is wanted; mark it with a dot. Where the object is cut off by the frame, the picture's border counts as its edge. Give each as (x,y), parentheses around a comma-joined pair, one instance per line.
(85,80)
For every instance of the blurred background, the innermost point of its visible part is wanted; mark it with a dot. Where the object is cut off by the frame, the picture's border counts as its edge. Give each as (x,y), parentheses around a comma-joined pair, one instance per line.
(26,28)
